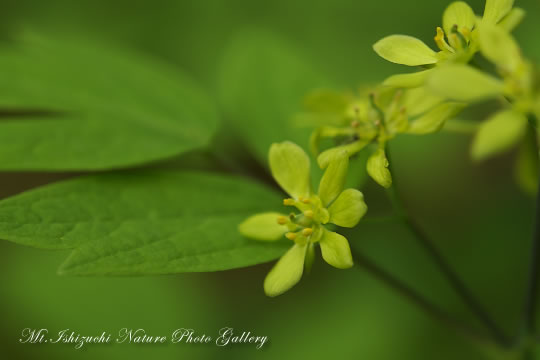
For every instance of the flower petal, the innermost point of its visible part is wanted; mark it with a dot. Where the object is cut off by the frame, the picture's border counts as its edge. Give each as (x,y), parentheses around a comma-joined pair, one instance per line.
(513,19)
(326,156)
(406,50)
(407,80)
(377,168)
(334,177)
(263,226)
(287,271)
(335,250)
(499,133)
(499,47)
(348,208)
(463,83)
(434,119)
(458,13)
(289,164)
(495,10)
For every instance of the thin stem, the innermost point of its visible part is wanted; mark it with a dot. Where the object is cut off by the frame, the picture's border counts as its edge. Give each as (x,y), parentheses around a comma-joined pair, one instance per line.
(531,300)
(416,298)
(446,269)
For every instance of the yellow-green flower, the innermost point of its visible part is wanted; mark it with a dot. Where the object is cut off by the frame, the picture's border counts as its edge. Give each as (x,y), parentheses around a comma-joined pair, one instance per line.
(456,40)
(307,225)
(379,116)
(515,88)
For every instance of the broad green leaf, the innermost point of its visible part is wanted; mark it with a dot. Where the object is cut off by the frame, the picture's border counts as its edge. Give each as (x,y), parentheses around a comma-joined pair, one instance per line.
(407,80)
(434,119)
(287,271)
(458,13)
(262,83)
(499,133)
(463,83)
(406,50)
(377,168)
(498,46)
(513,19)
(143,222)
(290,167)
(334,178)
(495,10)
(335,250)
(88,107)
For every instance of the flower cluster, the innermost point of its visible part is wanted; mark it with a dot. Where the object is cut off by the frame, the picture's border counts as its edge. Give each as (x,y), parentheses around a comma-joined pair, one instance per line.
(415,103)
(290,166)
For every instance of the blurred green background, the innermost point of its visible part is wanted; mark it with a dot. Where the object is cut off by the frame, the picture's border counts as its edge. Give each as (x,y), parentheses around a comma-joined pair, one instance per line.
(478,217)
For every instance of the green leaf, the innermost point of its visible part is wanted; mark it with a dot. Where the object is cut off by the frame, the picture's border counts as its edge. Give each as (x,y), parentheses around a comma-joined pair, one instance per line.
(263,81)
(434,119)
(463,83)
(287,272)
(88,107)
(377,168)
(143,222)
(290,165)
(498,46)
(406,50)
(499,133)
(495,10)
(458,13)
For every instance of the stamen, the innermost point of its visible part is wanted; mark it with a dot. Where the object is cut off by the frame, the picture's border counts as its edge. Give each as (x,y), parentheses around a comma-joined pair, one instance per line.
(308,213)
(288,202)
(282,220)
(290,236)
(307,231)
(441,43)
(306,201)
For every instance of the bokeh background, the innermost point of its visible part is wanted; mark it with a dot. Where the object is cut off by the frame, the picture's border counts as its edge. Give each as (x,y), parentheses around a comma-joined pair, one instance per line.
(475,213)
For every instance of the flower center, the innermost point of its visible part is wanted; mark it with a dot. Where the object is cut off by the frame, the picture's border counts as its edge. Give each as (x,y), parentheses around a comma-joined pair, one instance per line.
(306,226)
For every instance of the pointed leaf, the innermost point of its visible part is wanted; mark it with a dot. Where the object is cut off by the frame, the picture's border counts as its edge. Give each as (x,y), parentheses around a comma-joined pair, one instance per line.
(143,222)
(87,106)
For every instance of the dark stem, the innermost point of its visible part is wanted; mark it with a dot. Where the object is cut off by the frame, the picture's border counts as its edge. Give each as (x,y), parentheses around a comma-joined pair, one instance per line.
(416,298)
(531,299)
(446,269)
